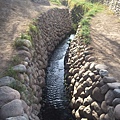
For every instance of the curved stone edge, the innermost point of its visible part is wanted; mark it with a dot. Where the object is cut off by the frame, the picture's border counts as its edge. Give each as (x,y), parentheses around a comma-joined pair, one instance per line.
(53,25)
(94,94)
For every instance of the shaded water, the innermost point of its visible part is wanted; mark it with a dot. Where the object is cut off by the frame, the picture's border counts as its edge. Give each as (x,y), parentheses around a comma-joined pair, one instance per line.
(56,105)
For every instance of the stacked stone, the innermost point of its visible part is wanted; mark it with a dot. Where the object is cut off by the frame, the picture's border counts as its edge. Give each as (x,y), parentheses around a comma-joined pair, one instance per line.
(113,5)
(52,26)
(94,94)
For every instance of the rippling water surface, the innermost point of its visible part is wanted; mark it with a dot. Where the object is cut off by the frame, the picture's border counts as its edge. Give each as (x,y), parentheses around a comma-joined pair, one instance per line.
(55,96)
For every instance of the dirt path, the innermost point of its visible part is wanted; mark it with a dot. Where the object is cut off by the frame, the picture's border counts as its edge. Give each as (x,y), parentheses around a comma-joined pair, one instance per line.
(15,17)
(105,34)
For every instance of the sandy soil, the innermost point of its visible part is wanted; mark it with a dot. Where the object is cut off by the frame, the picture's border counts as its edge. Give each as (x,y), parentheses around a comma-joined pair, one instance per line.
(15,16)
(105,34)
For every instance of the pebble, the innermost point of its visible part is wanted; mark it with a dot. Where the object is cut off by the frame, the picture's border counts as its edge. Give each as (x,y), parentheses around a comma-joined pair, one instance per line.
(103,72)
(6,81)
(19,68)
(114,85)
(100,67)
(116,101)
(109,97)
(117,112)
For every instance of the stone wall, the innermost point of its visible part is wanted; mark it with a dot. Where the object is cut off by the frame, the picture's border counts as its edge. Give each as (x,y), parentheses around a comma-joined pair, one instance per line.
(113,5)
(94,94)
(29,75)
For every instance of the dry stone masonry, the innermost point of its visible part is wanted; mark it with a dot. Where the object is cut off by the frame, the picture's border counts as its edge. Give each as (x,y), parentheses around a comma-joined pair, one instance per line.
(94,94)
(113,5)
(24,102)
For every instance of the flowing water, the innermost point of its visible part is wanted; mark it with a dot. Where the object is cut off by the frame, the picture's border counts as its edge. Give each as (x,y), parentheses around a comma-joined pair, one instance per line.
(56,105)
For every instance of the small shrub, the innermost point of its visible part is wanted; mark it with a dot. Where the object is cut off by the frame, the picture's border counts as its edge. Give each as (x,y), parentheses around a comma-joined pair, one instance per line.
(26,36)
(15,60)
(17,85)
(33,28)
(10,72)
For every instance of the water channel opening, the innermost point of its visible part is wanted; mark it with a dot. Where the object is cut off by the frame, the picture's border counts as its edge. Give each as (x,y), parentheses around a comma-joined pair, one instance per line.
(55,97)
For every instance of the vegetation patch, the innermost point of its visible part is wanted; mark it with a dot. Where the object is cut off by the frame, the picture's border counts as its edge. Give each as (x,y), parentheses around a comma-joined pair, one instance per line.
(82,12)
(55,2)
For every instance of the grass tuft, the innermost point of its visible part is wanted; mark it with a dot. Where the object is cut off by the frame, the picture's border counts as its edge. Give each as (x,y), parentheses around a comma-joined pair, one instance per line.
(87,10)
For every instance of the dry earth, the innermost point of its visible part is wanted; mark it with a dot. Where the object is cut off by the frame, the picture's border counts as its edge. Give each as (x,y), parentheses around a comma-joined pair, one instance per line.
(15,16)
(105,34)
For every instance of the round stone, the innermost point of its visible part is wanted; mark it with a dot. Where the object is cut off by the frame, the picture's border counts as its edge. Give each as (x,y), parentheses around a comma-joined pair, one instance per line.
(12,109)
(103,72)
(109,97)
(117,93)
(117,112)
(97,95)
(116,101)
(100,67)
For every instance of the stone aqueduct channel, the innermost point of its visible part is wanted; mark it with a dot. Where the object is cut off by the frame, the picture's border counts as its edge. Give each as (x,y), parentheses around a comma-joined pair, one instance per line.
(94,95)
(24,102)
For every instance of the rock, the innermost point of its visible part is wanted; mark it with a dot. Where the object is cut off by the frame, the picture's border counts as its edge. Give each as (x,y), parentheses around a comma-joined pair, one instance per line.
(8,94)
(92,75)
(107,117)
(88,90)
(114,85)
(72,102)
(117,112)
(117,93)
(103,72)
(35,117)
(19,68)
(94,115)
(86,66)
(77,115)
(87,112)
(12,109)
(111,113)
(109,97)
(116,101)
(104,89)
(92,66)
(24,42)
(100,67)
(97,95)
(87,101)
(101,83)
(81,108)
(6,81)
(90,59)
(79,89)
(24,54)
(96,107)
(73,112)
(102,117)
(109,79)
(104,107)
(23,117)
(78,102)
(25,107)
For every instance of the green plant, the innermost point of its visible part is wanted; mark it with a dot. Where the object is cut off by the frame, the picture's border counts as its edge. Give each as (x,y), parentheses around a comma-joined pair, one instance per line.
(26,36)
(17,85)
(15,60)
(33,28)
(10,72)
(56,2)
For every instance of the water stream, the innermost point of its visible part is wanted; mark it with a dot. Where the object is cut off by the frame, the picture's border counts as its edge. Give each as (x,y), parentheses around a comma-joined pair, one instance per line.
(56,105)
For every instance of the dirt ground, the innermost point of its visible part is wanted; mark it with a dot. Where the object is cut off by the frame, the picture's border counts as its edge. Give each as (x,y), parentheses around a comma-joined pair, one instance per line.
(15,16)
(105,34)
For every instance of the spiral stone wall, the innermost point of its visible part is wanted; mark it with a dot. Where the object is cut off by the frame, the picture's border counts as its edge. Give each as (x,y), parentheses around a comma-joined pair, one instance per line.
(94,94)
(24,102)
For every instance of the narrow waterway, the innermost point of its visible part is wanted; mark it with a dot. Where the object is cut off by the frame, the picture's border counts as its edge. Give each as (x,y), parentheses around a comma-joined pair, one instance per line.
(56,105)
